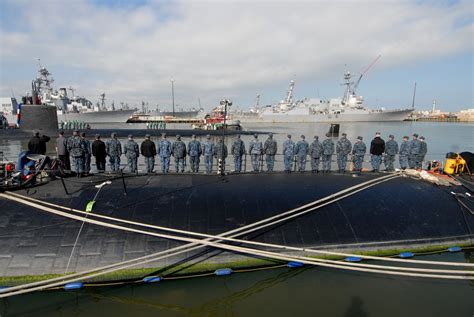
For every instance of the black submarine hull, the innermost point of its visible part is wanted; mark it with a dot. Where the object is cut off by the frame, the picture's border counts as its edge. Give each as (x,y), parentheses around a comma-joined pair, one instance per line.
(401,213)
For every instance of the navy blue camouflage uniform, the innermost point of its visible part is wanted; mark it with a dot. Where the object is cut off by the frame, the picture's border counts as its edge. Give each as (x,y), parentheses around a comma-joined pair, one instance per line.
(114,151)
(343,149)
(358,153)
(315,152)
(238,150)
(255,150)
(76,147)
(422,153)
(208,152)
(391,150)
(404,153)
(269,149)
(164,151)
(87,155)
(328,151)
(288,154)
(301,151)
(194,151)
(179,152)
(414,148)
(131,153)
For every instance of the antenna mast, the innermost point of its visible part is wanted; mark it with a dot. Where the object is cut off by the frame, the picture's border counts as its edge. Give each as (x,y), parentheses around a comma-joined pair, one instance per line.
(414,94)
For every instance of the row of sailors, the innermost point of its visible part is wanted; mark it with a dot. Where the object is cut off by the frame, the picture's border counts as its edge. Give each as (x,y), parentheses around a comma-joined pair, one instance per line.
(411,153)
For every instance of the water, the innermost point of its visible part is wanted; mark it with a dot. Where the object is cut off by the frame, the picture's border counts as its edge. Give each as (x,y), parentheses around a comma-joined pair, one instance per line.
(278,292)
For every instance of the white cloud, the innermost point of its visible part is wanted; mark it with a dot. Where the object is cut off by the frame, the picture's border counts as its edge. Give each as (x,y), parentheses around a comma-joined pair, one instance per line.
(215,49)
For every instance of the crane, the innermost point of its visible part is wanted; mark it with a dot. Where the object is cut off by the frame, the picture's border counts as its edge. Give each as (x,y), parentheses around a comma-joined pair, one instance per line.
(354,88)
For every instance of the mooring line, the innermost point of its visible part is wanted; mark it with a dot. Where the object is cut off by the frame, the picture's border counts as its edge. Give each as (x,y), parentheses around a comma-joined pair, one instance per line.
(221,246)
(261,227)
(235,249)
(145,259)
(298,249)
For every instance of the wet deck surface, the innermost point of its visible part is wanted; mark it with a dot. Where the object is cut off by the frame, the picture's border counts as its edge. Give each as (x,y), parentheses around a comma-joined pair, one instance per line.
(397,212)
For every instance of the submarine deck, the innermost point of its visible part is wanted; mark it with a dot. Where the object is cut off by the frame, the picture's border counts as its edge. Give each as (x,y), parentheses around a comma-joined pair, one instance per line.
(399,213)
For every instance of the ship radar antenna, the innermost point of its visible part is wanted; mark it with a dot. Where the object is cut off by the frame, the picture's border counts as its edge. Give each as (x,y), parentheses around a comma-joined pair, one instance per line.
(289,95)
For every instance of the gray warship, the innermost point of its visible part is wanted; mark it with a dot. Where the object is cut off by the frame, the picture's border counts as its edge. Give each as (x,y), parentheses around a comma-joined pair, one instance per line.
(348,108)
(75,108)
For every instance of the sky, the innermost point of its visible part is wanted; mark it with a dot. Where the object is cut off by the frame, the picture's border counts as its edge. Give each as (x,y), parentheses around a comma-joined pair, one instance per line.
(212,50)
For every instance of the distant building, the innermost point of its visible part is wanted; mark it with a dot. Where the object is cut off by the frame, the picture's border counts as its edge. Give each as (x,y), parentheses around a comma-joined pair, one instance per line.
(466,115)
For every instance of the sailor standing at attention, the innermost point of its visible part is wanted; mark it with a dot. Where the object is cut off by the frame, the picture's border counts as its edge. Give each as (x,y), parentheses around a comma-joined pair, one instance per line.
(315,152)
(391,150)
(208,152)
(301,151)
(87,154)
(164,151)
(328,151)
(76,147)
(270,149)
(256,151)
(377,148)
(358,152)
(343,148)
(178,149)
(422,153)
(414,147)
(114,151)
(194,151)
(238,150)
(404,153)
(132,153)
(288,153)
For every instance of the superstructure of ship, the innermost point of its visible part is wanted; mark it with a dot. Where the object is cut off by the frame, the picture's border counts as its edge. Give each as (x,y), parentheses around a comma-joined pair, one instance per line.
(74,108)
(348,108)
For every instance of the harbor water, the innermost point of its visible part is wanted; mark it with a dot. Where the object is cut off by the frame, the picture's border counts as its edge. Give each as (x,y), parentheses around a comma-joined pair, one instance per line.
(307,291)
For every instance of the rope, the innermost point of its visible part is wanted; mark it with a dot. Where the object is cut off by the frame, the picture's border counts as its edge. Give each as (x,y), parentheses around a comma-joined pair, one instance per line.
(145,259)
(202,235)
(236,249)
(9,292)
(300,249)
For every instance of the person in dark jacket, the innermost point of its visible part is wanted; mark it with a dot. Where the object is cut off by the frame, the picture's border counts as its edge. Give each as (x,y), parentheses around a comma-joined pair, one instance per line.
(37,144)
(98,151)
(148,150)
(377,148)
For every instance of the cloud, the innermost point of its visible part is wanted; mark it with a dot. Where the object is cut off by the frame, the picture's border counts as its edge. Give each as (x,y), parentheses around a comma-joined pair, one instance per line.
(215,49)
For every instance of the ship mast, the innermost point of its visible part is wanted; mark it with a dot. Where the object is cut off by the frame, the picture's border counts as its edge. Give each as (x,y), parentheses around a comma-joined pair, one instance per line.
(102,101)
(348,83)
(257,101)
(289,94)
